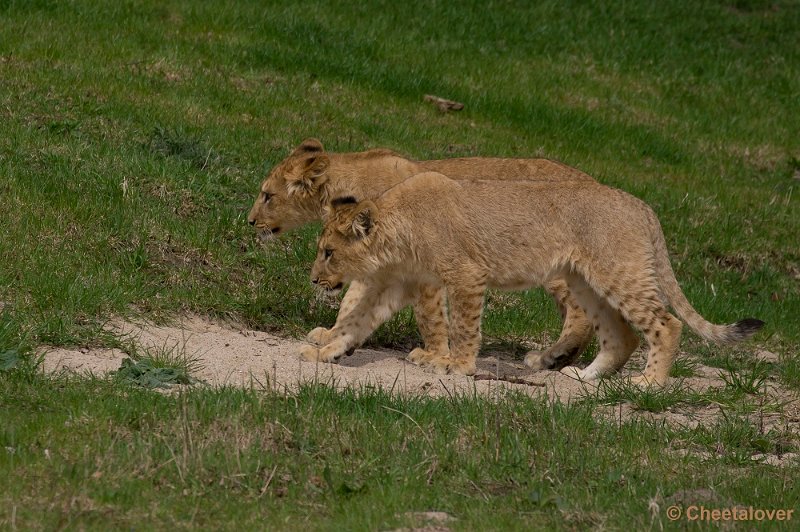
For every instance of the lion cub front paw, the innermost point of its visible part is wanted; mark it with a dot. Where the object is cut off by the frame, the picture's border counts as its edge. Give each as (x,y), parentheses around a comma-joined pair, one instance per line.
(446,365)
(319,336)
(314,354)
(421,357)
(463,367)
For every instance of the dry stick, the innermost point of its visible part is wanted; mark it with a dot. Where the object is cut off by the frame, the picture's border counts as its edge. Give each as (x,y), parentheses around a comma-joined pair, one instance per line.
(443,104)
(445,389)
(394,383)
(512,380)
(267,483)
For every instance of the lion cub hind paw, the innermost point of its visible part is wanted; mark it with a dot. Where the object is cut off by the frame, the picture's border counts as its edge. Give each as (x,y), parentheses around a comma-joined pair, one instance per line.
(319,336)
(536,360)
(643,381)
(314,354)
(577,373)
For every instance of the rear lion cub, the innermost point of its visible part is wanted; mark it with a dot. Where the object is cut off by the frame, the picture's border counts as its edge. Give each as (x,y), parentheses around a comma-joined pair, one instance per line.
(472,235)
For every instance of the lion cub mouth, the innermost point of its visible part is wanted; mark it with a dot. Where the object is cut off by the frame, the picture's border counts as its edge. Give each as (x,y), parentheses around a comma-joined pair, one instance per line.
(266,233)
(329,295)
(332,290)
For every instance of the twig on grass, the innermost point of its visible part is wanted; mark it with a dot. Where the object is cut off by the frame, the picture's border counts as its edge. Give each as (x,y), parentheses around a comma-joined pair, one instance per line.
(505,378)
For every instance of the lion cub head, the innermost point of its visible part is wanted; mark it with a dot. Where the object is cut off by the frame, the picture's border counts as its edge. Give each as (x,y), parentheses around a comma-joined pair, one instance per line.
(343,250)
(288,196)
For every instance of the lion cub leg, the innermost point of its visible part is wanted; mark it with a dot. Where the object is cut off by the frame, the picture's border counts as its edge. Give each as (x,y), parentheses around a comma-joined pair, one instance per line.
(576,332)
(639,301)
(466,307)
(431,316)
(377,303)
(357,289)
(617,340)
(662,331)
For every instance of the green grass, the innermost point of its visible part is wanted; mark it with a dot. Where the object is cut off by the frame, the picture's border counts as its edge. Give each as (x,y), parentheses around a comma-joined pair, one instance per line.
(133,136)
(747,380)
(134,142)
(653,399)
(363,460)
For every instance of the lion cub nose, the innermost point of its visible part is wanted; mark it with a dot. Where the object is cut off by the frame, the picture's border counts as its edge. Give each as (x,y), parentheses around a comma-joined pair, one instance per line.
(251,222)
(315,280)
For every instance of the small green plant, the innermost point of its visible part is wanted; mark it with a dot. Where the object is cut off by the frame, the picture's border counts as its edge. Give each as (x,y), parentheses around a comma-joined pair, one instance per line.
(145,373)
(748,380)
(9,359)
(684,367)
(158,367)
(789,371)
(177,143)
(651,399)
(736,439)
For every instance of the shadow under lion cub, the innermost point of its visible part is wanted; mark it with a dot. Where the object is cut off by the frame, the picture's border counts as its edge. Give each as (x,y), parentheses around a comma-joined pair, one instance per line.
(598,250)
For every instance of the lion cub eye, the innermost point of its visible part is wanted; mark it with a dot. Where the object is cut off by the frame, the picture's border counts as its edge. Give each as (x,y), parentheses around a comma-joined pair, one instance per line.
(328,253)
(267,196)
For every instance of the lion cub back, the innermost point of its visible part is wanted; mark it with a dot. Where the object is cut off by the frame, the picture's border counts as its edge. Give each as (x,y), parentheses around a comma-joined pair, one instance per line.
(514,227)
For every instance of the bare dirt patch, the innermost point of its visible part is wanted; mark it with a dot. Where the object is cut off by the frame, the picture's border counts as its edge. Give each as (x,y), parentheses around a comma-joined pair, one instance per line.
(226,355)
(229,355)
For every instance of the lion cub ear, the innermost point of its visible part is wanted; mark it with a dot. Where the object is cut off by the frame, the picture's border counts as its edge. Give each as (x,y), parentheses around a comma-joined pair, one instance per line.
(363,219)
(309,175)
(310,145)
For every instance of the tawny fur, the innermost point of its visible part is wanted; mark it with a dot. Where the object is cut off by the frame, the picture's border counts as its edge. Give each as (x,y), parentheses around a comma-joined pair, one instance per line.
(298,189)
(467,236)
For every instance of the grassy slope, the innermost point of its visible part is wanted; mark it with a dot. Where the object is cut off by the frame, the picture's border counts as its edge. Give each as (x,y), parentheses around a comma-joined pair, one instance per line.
(133,136)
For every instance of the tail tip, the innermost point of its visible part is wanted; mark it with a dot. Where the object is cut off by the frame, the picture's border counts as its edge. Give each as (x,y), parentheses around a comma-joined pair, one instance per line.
(748,326)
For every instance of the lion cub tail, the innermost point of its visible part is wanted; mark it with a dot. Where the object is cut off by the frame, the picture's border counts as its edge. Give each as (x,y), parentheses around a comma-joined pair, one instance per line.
(720,334)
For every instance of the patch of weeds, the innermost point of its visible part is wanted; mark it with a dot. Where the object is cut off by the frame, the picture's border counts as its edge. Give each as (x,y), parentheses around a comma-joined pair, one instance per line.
(177,143)
(9,359)
(159,367)
(733,400)
(789,371)
(145,373)
(684,367)
(341,487)
(651,399)
(736,439)
(15,353)
(748,380)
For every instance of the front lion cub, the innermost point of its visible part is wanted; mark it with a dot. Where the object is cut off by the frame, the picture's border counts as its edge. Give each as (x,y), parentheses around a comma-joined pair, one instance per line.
(472,235)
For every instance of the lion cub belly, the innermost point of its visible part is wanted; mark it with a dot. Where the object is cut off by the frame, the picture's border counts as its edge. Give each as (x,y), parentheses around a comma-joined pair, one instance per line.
(513,282)
(519,268)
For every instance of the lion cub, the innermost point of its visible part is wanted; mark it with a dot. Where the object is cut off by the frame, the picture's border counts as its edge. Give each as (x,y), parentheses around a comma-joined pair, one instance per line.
(472,235)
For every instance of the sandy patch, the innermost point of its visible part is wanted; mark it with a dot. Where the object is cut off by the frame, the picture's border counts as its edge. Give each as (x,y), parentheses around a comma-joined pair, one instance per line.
(240,357)
(230,356)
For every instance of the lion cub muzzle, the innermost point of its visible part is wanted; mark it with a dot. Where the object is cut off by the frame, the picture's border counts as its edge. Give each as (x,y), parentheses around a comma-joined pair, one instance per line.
(324,284)
(266,233)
